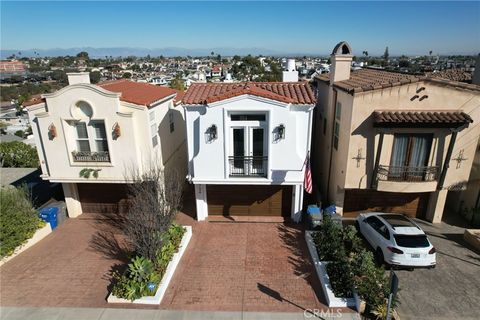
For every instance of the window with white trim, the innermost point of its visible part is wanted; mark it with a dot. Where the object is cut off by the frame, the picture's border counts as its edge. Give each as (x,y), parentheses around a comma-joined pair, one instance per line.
(153,132)
(91,143)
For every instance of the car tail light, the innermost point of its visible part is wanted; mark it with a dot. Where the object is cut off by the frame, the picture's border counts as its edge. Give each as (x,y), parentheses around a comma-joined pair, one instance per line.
(395,250)
(432,251)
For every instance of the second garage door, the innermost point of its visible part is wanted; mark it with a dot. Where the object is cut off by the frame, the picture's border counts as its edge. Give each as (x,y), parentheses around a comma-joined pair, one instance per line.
(101,197)
(249,200)
(359,200)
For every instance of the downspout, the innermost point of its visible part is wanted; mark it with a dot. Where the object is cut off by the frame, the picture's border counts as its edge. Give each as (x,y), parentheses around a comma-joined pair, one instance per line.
(446,164)
(377,160)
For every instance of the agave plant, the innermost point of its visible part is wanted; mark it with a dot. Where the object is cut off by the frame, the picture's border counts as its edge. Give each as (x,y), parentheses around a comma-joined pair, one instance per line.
(140,269)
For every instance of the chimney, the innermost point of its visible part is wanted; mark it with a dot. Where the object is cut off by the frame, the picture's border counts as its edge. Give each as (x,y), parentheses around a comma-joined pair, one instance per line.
(78,77)
(341,61)
(476,73)
(291,74)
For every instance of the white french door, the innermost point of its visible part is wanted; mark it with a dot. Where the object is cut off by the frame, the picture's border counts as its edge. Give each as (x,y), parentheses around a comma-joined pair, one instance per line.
(248,152)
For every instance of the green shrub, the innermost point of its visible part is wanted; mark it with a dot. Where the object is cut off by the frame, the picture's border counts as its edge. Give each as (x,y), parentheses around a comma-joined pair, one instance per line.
(350,264)
(18,219)
(371,281)
(16,154)
(133,284)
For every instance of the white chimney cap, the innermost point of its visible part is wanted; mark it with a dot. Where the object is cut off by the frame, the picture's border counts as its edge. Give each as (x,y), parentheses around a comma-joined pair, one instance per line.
(78,77)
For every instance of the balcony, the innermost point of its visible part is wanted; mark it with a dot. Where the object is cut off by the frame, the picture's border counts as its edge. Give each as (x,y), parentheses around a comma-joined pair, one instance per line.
(407,179)
(88,156)
(252,166)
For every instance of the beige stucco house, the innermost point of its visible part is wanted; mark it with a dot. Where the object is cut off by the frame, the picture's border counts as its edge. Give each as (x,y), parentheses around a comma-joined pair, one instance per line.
(386,141)
(106,130)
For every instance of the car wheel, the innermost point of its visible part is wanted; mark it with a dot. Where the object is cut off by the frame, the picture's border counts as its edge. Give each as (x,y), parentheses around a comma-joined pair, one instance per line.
(379,257)
(432,267)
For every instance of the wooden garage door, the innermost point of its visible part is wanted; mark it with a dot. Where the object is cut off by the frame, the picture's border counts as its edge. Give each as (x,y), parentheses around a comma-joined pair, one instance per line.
(410,204)
(249,200)
(101,197)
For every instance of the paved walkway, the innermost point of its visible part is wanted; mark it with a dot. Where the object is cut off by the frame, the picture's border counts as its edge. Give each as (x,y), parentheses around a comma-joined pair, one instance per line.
(132,314)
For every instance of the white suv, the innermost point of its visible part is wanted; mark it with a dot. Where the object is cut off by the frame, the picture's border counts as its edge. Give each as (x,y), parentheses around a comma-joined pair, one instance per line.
(397,240)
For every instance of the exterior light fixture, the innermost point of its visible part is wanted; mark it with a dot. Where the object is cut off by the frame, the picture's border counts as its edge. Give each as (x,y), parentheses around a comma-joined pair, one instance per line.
(281,132)
(52,131)
(212,132)
(116,131)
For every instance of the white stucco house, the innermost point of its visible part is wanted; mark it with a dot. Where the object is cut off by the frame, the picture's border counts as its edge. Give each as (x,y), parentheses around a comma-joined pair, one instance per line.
(247,145)
(107,129)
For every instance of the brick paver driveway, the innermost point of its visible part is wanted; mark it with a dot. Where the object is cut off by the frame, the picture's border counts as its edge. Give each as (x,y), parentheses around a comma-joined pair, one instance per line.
(245,266)
(227,266)
(70,267)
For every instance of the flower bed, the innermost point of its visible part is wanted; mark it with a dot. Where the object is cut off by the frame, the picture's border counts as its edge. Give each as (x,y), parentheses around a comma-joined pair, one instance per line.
(346,269)
(321,268)
(138,279)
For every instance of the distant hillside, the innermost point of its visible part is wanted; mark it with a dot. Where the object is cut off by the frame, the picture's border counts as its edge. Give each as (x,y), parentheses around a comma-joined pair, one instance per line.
(126,51)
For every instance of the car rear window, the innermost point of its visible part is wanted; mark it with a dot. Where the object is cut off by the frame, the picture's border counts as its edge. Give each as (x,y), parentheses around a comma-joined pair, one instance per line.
(419,241)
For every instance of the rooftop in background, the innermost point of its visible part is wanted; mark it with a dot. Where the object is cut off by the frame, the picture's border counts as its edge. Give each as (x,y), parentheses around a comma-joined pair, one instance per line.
(288,92)
(138,93)
(12,67)
(372,79)
(452,74)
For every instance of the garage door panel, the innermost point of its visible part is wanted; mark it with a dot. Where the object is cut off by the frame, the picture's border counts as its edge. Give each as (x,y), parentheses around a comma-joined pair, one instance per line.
(101,197)
(410,204)
(249,200)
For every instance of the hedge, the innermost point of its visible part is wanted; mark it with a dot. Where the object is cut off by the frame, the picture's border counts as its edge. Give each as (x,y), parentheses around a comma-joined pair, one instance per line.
(16,154)
(18,219)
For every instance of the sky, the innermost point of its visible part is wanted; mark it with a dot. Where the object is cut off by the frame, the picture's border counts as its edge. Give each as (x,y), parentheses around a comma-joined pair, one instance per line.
(309,27)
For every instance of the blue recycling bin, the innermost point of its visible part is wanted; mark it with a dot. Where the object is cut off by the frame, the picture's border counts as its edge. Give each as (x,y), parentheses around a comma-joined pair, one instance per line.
(314,215)
(49,215)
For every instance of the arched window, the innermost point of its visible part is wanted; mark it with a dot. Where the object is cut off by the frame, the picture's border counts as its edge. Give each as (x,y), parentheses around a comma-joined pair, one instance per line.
(83,109)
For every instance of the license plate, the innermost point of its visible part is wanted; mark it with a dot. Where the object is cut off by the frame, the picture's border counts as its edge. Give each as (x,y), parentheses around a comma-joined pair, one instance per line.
(416,255)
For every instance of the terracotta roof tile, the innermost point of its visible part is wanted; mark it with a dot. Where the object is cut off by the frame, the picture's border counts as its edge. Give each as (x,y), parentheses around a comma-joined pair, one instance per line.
(288,92)
(452,74)
(428,118)
(34,99)
(373,79)
(136,92)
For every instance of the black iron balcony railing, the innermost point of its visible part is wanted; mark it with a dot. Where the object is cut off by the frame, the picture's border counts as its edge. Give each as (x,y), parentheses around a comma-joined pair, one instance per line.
(252,166)
(88,156)
(407,174)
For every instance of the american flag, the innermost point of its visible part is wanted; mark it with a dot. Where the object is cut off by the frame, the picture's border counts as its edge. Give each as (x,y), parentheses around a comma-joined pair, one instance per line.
(307,183)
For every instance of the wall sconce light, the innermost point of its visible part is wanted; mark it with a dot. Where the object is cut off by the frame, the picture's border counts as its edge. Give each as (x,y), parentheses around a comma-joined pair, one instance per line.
(52,131)
(212,132)
(281,131)
(116,131)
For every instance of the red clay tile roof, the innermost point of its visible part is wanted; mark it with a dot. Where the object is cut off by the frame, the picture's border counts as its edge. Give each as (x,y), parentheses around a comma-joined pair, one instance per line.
(136,92)
(426,118)
(372,79)
(288,92)
(452,74)
(35,99)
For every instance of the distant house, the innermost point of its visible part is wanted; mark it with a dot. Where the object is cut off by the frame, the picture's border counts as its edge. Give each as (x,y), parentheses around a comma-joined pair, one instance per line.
(110,127)
(11,68)
(394,142)
(247,147)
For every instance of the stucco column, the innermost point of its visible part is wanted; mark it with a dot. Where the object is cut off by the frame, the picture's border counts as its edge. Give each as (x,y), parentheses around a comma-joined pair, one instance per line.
(72,199)
(436,205)
(201,201)
(297,202)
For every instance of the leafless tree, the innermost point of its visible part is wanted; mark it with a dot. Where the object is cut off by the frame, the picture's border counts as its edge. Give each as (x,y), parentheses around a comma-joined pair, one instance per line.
(155,196)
